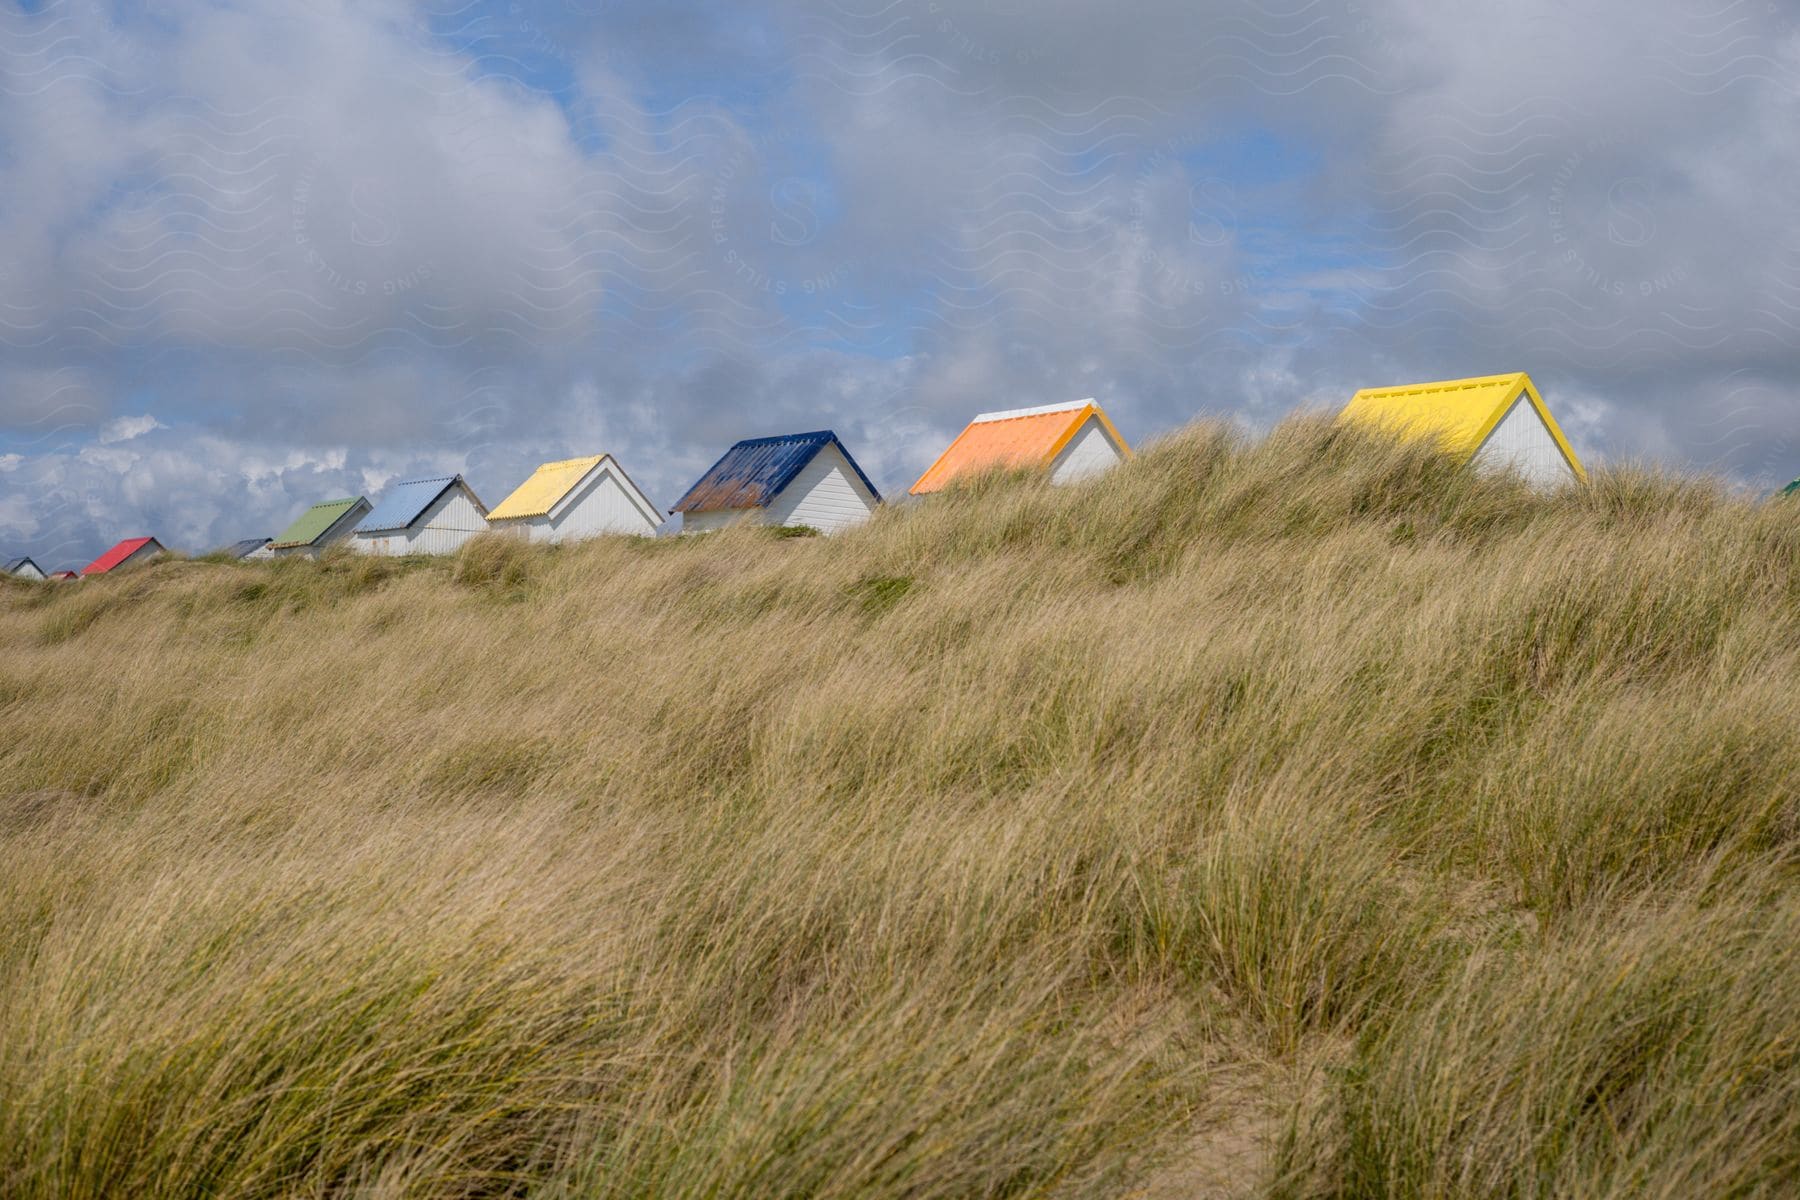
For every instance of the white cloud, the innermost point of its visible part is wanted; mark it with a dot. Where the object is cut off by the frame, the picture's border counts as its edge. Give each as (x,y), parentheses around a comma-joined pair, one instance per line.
(123,429)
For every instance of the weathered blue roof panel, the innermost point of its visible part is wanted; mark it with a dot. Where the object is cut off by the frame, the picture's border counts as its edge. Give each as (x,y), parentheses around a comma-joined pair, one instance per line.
(753,472)
(405,502)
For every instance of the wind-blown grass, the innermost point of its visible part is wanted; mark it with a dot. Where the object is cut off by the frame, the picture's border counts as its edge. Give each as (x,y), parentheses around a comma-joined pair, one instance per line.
(1441,832)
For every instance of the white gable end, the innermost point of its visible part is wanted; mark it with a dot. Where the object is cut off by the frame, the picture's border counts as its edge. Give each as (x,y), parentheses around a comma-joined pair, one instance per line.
(600,503)
(1088,453)
(826,495)
(453,512)
(1522,442)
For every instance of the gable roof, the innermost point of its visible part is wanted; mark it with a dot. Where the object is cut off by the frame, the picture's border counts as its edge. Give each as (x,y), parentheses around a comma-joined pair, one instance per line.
(1791,488)
(1459,413)
(12,566)
(64,575)
(406,502)
(245,547)
(753,472)
(1018,437)
(119,554)
(314,523)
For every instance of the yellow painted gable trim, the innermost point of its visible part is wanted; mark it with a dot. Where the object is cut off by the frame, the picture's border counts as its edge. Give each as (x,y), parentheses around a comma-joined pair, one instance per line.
(1556,433)
(1515,387)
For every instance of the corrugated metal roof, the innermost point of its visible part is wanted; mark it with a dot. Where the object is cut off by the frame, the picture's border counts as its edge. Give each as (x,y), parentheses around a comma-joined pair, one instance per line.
(119,554)
(1020,437)
(546,487)
(753,472)
(1007,414)
(312,524)
(405,502)
(245,547)
(1459,413)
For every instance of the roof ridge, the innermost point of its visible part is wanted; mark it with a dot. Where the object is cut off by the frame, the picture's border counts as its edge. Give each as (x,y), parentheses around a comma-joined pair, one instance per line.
(1041,410)
(1471,381)
(820,434)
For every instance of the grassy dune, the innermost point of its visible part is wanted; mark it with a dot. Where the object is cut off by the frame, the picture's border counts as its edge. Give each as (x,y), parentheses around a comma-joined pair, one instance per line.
(1300,817)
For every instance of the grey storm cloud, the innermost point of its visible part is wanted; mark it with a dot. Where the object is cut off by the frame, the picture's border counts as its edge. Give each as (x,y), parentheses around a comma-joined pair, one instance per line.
(253,254)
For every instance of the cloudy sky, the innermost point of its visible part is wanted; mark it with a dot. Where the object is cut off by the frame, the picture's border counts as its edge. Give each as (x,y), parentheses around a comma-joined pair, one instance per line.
(261,253)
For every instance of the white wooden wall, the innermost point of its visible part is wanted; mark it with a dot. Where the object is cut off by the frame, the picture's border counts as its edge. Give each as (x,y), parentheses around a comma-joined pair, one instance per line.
(344,526)
(826,495)
(1522,442)
(28,570)
(712,522)
(1088,453)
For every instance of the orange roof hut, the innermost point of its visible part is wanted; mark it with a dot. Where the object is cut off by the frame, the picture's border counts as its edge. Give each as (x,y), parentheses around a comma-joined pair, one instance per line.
(1072,441)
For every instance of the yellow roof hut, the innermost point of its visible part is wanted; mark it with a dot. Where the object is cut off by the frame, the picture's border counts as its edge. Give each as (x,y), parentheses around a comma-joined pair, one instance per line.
(577,498)
(1493,420)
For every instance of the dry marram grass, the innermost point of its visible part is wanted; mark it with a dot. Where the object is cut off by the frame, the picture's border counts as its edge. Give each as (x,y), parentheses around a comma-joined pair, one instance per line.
(1027,842)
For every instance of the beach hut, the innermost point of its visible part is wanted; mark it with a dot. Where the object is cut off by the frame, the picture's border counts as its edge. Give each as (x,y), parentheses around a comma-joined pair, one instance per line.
(1493,420)
(320,526)
(60,575)
(576,498)
(1792,489)
(130,552)
(423,516)
(22,568)
(247,548)
(1072,441)
(798,479)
